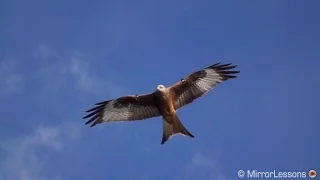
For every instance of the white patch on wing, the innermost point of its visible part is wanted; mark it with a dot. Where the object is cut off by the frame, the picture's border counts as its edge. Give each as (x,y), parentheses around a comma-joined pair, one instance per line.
(207,83)
(130,112)
(201,86)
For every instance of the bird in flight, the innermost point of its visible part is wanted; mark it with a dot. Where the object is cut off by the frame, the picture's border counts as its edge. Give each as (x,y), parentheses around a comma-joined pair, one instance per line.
(164,101)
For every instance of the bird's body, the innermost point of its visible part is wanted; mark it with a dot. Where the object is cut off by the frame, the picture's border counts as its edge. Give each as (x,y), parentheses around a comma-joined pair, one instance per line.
(163,101)
(165,106)
(171,123)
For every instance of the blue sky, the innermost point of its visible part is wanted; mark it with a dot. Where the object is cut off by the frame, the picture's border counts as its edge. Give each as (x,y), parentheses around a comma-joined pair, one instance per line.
(58,58)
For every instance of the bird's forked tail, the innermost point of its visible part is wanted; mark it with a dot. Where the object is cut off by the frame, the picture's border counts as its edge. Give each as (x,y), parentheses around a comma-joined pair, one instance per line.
(171,126)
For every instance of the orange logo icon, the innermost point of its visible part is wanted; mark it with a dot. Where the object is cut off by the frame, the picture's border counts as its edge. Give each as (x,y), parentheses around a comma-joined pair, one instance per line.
(312,173)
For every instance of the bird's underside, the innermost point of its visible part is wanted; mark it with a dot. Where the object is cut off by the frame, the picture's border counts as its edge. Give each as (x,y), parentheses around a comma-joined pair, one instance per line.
(163,102)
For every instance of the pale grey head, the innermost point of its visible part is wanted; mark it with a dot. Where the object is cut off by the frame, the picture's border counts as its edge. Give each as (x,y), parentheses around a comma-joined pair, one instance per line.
(161,88)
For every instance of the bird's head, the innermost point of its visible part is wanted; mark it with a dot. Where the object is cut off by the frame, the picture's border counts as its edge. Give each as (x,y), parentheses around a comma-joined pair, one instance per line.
(161,88)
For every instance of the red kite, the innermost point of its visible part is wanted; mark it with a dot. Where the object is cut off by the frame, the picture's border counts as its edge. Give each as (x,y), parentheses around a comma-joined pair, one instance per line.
(163,102)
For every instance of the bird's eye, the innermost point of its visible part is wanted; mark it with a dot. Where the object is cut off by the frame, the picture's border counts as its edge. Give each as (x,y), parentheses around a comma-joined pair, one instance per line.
(183,80)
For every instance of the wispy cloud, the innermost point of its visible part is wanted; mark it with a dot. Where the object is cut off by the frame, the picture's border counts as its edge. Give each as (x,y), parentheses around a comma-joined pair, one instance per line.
(26,158)
(204,166)
(56,71)
(74,68)
(88,81)
(44,52)
(10,79)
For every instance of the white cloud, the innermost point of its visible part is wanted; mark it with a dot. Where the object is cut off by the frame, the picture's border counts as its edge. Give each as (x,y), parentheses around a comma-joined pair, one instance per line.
(79,69)
(49,71)
(49,137)
(55,72)
(10,79)
(204,167)
(62,70)
(44,52)
(87,81)
(22,160)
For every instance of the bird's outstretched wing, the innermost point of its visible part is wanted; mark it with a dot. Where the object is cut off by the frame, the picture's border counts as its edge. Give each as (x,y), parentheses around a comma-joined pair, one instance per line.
(200,82)
(126,108)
